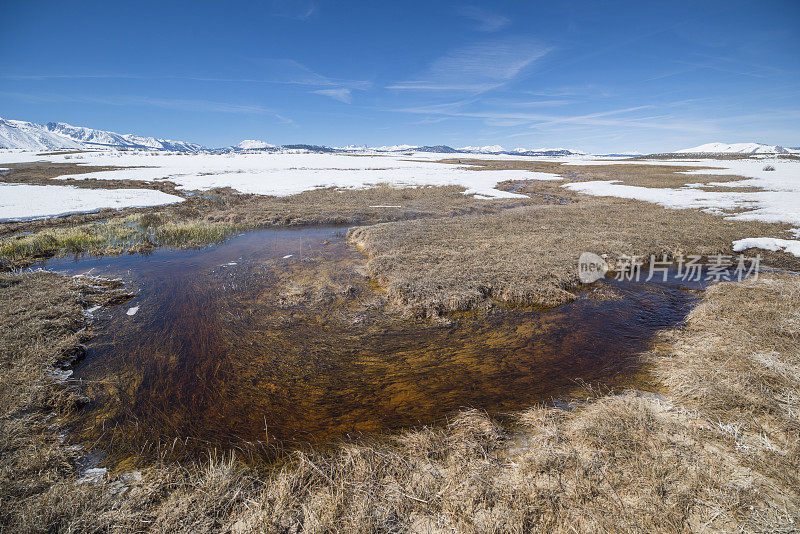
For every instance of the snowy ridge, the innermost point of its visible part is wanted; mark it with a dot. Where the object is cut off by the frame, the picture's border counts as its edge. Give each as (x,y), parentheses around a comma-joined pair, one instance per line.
(58,135)
(30,136)
(92,138)
(490,149)
(497,149)
(23,135)
(734,148)
(253,144)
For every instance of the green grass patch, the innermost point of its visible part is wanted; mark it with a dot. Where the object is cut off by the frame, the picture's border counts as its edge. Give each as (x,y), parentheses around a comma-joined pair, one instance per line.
(130,234)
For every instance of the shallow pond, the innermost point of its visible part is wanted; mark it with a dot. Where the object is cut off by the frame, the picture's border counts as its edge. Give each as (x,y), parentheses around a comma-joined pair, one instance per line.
(274,338)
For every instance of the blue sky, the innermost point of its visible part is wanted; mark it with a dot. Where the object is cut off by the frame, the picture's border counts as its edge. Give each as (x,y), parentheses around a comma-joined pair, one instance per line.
(597,76)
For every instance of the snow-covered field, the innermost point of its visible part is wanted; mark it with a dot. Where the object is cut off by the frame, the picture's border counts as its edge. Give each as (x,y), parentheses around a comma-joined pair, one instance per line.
(22,201)
(283,173)
(290,173)
(779,202)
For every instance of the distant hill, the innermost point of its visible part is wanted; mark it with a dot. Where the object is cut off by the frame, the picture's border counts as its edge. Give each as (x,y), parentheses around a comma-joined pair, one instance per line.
(58,135)
(24,135)
(30,136)
(253,144)
(734,148)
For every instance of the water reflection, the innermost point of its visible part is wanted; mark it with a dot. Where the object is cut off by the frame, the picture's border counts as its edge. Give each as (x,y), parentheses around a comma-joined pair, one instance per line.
(274,337)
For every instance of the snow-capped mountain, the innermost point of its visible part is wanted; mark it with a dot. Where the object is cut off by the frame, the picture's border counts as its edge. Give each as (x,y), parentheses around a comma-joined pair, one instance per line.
(253,144)
(58,135)
(734,148)
(393,148)
(92,138)
(497,149)
(490,149)
(23,135)
(544,152)
(30,136)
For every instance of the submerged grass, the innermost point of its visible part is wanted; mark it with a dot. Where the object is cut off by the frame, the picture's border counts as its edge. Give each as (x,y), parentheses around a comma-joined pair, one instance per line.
(717,450)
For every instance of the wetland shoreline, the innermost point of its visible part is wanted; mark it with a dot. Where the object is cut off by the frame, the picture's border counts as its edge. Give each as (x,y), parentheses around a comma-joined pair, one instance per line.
(649,451)
(275,338)
(723,382)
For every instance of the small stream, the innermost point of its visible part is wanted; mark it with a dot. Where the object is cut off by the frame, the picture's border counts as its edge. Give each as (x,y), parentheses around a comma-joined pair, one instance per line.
(274,339)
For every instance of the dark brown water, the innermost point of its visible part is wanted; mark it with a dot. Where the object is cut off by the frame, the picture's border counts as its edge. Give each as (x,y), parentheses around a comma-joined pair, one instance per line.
(235,344)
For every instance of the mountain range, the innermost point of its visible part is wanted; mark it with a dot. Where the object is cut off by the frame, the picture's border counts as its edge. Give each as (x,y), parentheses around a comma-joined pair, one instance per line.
(735,148)
(15,134)
(22,135)
(58,136)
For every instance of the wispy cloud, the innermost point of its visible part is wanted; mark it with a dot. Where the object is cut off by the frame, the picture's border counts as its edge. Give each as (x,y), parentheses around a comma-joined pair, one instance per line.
(487,20)
(273,71)
(289,71)
(477,68)
(430,120)
(580,91)
(294,9)
(708,65)
(528,103)
(341,94)
(617,118)
(505,123)
(129,100)
(110,76)
(188,105)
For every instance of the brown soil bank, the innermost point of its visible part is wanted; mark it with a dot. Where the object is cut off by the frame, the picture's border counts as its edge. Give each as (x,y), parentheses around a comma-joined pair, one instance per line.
(717,450)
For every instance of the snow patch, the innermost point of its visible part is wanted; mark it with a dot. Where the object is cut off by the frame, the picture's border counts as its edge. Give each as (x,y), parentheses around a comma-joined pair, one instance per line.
(768,206)
(290,173)
(132,311)
(19,202)
(777,201)
(790,246)
(93,475)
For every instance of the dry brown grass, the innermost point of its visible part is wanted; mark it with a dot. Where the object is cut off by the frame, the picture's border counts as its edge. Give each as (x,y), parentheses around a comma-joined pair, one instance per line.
(716,450)
(42,328)
(643,175)
(206,219)
(330,206)
(529,255)
(44,173)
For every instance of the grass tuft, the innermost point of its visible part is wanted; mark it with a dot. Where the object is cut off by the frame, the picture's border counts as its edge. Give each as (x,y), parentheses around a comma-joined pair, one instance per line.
(716,450)
(129,234)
